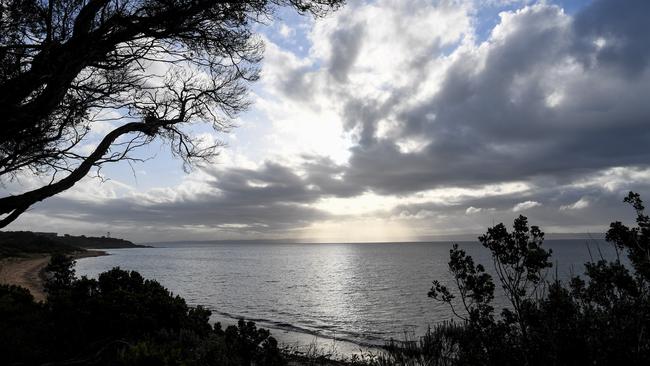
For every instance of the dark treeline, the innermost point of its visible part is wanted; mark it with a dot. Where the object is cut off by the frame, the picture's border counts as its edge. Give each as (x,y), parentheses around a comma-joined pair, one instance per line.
(95,242)
(26,243)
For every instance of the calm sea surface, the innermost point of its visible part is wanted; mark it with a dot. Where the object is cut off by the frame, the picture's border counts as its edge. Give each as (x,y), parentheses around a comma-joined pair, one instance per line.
(359,294)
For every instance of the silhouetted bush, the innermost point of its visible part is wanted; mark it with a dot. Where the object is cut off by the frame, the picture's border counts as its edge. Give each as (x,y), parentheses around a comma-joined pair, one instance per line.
(601,319)
(120,319)
(22,326)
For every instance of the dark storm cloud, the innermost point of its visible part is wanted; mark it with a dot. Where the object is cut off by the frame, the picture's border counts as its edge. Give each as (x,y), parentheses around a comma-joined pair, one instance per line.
(625,30)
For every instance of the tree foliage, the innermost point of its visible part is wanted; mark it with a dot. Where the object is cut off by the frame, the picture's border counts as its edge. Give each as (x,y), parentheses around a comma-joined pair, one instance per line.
(599,319)
(60,273)
(120,319)
(150,67)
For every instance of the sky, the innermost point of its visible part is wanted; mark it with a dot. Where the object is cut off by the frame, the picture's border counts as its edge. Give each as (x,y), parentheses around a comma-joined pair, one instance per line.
(403,120)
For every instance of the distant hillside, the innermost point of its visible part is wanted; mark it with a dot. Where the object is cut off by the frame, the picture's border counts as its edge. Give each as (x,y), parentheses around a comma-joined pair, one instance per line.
(25,243)
(93,242)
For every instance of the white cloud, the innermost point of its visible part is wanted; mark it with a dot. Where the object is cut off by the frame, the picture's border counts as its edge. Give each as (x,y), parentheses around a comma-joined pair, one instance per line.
(526,205)
(578,205)
(615,179)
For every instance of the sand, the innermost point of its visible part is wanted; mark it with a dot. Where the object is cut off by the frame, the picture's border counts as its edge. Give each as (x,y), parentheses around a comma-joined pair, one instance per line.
(26,272)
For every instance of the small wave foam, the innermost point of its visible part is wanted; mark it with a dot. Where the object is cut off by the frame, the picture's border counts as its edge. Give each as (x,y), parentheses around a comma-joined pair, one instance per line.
(323,331)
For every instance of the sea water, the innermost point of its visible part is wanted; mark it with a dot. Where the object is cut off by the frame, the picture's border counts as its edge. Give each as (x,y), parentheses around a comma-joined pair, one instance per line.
(356,295)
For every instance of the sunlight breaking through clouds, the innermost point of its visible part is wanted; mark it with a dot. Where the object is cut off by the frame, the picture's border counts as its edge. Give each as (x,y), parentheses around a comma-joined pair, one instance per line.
(404,119)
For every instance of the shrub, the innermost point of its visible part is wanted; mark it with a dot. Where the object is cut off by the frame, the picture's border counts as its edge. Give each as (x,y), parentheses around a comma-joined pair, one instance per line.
(600,319)
(120,319)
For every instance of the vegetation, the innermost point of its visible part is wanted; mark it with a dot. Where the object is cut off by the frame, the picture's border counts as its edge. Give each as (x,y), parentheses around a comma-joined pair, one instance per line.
(119,319)
(66,65)
(94,242)
(25,243)
(602,318)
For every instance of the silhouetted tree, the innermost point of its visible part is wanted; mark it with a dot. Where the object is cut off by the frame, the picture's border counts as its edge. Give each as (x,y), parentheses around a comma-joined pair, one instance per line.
(635,241)
(602,319)
(67,64)
(120,318)
(59,272)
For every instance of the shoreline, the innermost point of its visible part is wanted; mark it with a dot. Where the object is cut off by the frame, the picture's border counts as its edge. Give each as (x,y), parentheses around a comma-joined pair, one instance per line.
(27,271)
(302,345)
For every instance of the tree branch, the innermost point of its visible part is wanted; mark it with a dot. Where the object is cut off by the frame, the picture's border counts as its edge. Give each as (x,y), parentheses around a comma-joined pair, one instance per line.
(15,205)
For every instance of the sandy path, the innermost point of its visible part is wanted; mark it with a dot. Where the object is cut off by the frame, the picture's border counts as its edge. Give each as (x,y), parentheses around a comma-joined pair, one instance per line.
(26,272)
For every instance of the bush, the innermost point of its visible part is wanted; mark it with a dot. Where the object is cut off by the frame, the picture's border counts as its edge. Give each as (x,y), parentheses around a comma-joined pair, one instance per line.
(21,326)
(601,319)
(120,319)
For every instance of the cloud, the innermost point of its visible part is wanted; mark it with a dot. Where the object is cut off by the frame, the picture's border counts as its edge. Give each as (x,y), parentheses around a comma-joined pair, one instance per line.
(520,104)
(471,210)
(527,205)
(347,43)
(270,198)
(286,31)
(427,106)
(272,201)
(235,205)
(578,205)
(403,113)
(615,34)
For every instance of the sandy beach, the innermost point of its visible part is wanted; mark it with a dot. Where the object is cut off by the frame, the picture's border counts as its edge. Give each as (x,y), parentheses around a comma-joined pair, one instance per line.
(26,272)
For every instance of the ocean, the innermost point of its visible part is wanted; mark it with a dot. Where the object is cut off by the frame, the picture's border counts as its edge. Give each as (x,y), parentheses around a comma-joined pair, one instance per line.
(347,297)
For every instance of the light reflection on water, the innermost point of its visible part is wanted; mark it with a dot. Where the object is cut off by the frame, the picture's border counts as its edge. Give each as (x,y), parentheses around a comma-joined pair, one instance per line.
(364,293)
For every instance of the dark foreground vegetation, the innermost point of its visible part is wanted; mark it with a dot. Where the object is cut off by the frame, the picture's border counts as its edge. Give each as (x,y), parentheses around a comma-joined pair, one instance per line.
(602,318)
(119,319)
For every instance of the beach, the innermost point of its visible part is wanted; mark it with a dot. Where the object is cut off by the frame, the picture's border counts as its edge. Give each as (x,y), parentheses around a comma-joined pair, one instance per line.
(26,271)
